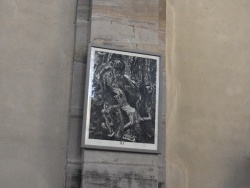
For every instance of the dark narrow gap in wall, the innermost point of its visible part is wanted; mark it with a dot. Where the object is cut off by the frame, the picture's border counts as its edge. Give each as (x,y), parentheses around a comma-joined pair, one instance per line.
(161,185)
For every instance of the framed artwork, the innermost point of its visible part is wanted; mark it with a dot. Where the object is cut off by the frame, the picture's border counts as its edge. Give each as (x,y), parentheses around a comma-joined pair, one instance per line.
(121,109)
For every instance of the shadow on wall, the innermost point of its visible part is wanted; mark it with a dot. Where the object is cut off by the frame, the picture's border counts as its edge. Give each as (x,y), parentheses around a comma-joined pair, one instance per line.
(240,175)
(74,177)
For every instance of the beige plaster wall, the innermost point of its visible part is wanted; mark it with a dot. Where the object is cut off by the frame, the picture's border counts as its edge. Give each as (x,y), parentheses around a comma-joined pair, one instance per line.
(208,119)
(36,44)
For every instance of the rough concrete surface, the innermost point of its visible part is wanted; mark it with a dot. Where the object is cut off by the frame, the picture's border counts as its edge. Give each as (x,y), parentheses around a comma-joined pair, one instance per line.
(74,151)
(208,120)
(134,25)
(36,44)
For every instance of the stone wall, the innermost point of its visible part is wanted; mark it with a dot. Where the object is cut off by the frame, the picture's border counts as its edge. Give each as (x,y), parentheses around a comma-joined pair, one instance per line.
(74,152)
(207,65)
(129,25)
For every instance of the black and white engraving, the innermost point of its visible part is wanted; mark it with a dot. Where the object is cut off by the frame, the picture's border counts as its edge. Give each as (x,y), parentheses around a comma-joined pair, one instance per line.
(123,96)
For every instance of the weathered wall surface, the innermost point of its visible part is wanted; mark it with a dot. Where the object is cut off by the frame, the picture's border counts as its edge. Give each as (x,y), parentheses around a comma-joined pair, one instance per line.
(208,134)
(36,44)
(74,152)
(127,25)
(208,52)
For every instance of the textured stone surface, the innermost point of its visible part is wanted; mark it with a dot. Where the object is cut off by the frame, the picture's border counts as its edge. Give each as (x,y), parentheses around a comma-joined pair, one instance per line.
(74,152)
(74,140)
(73,177)
(208,94)
(36,47)
(81,41)
(119,169)
(137,25)
(77,91)
(126,23)
(119,176)
(117,157)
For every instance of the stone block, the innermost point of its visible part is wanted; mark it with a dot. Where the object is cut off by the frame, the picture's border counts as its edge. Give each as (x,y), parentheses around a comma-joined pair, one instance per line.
(161,43)
(126,33)
(73,176)
(119,176)
(78,85)
(129,9)
(119,169)
(83,12)
(84,3)
(81,41)
(125,24)
(74,140)
(117,157)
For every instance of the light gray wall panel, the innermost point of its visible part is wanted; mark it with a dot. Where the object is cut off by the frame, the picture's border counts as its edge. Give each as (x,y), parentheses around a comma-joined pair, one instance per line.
(36,50)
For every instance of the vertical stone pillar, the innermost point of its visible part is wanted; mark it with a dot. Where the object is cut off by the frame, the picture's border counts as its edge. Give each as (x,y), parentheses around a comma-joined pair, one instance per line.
(82,33)
(128,24)
(134,25)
